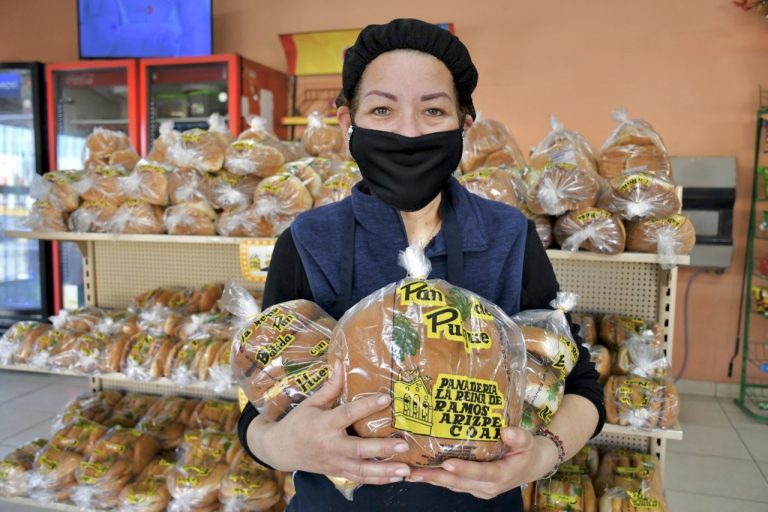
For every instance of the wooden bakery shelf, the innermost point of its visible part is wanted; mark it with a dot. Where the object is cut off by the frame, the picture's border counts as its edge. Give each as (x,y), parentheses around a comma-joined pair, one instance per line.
(67,236)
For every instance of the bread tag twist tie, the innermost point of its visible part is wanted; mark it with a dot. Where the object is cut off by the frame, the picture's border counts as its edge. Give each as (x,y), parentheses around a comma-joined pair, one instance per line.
(414,261)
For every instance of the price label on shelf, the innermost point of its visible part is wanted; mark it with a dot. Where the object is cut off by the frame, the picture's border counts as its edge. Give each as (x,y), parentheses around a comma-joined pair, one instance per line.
(255,256)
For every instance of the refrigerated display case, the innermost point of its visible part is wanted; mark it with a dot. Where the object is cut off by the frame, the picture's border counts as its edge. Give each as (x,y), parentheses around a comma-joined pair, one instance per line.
(82,96)
(25,288)
(188,90)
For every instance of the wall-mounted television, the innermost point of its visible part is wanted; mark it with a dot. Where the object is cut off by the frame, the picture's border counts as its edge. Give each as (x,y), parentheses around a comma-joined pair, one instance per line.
(113,29)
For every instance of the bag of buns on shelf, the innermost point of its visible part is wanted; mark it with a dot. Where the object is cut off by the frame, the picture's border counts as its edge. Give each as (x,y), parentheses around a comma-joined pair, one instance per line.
(616,329)
(80,319)
(53,349)
(17,342)
(668,237)
(198,149)
(215,415)
(551,355)
(195,218)
(100,351)
(629,469)
(129,410)
(145,355)
(160,319)
(587,327)
(204,460)
(102,183)
(226,191)
(185,359)
(43,216)
(92,217)
(185,300)
(57,188)
(565,491)
(120,455)
(109,147)
(149,491)
(245,222)
(453,363)
(279,199)
(602,359)
(495,183)
(338,186)
(634,143)
(168,419)
(148,182)
(325,167)
(586,461)
(52,476)
(249,487)
(306,174)
(219,374)
(214,324)
(641,403)
(249,156)
(259,131)
(642,355)
(279,355)
(562,175)
(638,194)
(320,139)
(186,186)
(95,407)
(168,136)
(79,436)
(489,143)
(217,125)
(619,499)
(543,224)
(592,229)
(135,216)
(15,468)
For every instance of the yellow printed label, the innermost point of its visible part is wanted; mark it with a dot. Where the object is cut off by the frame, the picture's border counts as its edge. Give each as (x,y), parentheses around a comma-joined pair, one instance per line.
(634,181)
(309,380)
(188,481)
(545,414)
(562,499)
(196,469)
(275,184)
(638,499)
(626,391)
(569,468)
(420,293)
(139,499)
(632,323)
(460,407)
(48,463)
(223,406)
(165,463)
(43,204)
(319,349)
(108,172)
(632,472)
(192,136)
(675,221)
(592,215)
(134,202)
(147,167)
(274,349)
(114,447)
(343,183)
(480,311)
(244,145)
(97,469)
(446,323)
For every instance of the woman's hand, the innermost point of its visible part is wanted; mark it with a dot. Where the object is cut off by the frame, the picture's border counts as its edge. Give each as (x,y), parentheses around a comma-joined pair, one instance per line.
(313,437)
(529,457)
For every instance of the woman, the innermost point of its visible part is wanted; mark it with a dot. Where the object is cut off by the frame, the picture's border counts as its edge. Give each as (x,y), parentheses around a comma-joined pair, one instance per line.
(405,102)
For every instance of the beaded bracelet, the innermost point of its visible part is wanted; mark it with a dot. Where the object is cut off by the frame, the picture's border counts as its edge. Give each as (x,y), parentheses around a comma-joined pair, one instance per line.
(545,432)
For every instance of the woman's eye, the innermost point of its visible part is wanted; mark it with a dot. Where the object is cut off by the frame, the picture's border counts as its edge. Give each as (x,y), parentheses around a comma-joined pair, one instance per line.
(434,112)
(380,111)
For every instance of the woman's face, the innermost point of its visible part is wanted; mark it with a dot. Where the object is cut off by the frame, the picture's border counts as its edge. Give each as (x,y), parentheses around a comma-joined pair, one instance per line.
(406,92)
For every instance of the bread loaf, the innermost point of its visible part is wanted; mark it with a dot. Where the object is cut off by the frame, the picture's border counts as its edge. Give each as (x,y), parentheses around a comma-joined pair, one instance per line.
(320,139)
(633,144)
(641,403)
(198,149)
(194,218)
(94,407)
(79,436)
(44,217)
(168,137)
(628,469)
(215,415)
(92,216)
(669,236)
(249,486)
(145,356)
(168,419)
(587,327)
(489,143)
(601,357)
(227,191)
(102,183)
(615,329)
(592,229)
(566,491)
(109,147)
(15,468)
(185,186)
(136,216)
(641,195)
(245,222)
(555,190)
(17,343)
(495,184)
(278,199)
(248,156)
(149,492)
(337,187)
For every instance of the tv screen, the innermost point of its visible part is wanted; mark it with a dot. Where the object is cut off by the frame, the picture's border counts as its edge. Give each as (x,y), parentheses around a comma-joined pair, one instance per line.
(144,28)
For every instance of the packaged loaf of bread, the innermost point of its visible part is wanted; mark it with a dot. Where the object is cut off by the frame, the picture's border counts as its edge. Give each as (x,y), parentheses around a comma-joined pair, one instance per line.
(592,229)
(186,186)
(52,475)
(28,344)
(109,147)
(148,492)
(616,329)
(92,217)
(219,376)
(78,436)
(249,487)
(129,410)
(148,182)
(186,358)
(53,349)
(586,461)
(619,499)
(138,217)
(160,319)
(194,218)
(563,148)
(641,403)
(217,125)
(337,187)
(279,356)
(44,217)
(161,296)
(167,420)
(58,188)
(102,183)
(642,356)
(249,156)
(212,324)
(587,327)
(668,237)
(15,468)
(99,352)
(543,224)
(198,149)
(145,356)
(121,454)
(307,175)
(496,184)
(279,199)
(565,491)
(629,469)
(489,143)
(325,167)
(17,342)
(557,189)
(95,407)
(544,389)
(168,136)
(453,363)
(638,194)
(320,139)
(601,358)
(80,319)
(258,130)
(634,143)
(215,415)
(225,190)
(246,222)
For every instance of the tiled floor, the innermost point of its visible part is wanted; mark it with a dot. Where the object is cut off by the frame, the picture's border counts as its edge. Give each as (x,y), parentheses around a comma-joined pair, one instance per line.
(721,464)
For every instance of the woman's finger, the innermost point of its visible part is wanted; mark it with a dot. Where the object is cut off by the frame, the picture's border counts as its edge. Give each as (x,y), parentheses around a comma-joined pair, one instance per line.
(359,469)
(359,408)
(329,392)
(359,448)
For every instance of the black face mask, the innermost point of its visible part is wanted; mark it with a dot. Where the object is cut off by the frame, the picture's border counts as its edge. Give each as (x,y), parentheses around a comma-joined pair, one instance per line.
(406,172)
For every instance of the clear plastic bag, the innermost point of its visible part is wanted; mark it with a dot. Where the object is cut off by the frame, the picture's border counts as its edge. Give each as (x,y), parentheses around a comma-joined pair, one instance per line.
(148,182)
(642,356)
(489,143)
(53,474)
(616,329)
(592,229)
(668,237)
(44,217)
(248,156)
(337,187)
(15,468)
(229,191)
(320,139)
(17,335)
(496,184)
(246,222)
(102,184)
(249,487)
(601,358)
(149,492)
(217,125)
(619,499)
(220,377)
(58,188)
(167,138)
(559,189)
(453,363)
(641,403)
(634,143)
(198,149)
(628,469)
(216,415)
(279,199)
(137,216)
(543,224)
(186,186)
(258,131)
(565,491)
(95,407)
(195,218)
(108,147)
(563,148)
(637,194)
(587,327)
(168,419)
(586,461)
(53,349)
(183,363)
(145,356)
(129,410)
(92,217)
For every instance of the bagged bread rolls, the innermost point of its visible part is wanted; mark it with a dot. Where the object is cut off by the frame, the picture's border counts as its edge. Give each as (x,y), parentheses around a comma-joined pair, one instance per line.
(320,139)
(184,360)
(245,222)
(92,217)
(53,473)
(563,148)
(79,436)
(557,189)
(452,362)
(102,183)
(219,373)
(592,229)
(198,149)
(215,415)
(586,461)
(43,216)
(15,468)
(95,407)
(217,126)
(195,480)
(228,191)
(489,143)
(149,492)
(129,410)
(145,356)
(337,187)
(565,492)
(195,218)
(619,499)
(186,186)
(137,216)
(629,469)
(148,182)
(249,486)
(168,137)
(668,237)
(168,419)
(279,199)
(639,194)
(57,188)
(18,334)
(615,329)
(587,327)
(641,403)
(307,175)
(601,358)
(496,184)
(642,356)
(109,147)
(53,349)
(248,156)
(28,343)
(634,143)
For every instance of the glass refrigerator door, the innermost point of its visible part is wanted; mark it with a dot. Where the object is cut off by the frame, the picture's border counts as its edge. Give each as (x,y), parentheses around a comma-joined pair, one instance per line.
(21,283)
(186,94)
(84,99)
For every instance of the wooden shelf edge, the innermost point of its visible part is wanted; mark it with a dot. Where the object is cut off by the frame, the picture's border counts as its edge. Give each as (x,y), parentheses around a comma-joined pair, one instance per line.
(675,433)
(33,369)
(66,236)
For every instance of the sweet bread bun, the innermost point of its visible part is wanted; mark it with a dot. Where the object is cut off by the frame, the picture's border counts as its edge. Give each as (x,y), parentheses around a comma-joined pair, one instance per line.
(592,229)
(196,218)
(92,217)
(489,143)
(167,420)
(633,144)
(248,156)
(285,192)
(555,190)
(641,195)
(44,217)
(15,468)
(185,186)
(136,216)
(148,182)
(320,139)
(108,147)
(145,355)
(199,149)
(307,175)
(439,351)
(229,191)
(666,236)
(168,136)
(149,492)
(337,187)
(615,330)
(102,183)
(495,184)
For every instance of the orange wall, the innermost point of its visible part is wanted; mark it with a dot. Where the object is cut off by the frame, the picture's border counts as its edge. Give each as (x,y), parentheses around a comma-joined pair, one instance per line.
(690,67)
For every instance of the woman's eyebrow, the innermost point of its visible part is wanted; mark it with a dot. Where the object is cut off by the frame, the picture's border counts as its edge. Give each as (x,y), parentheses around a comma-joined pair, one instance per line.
(381,93)
(434,95)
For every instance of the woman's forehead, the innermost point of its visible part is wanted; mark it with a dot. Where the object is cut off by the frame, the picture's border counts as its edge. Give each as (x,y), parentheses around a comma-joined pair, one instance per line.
(407,72)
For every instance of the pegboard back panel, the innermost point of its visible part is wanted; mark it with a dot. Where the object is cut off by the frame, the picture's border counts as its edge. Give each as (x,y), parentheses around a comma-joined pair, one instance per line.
(121,271)
(627,288)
